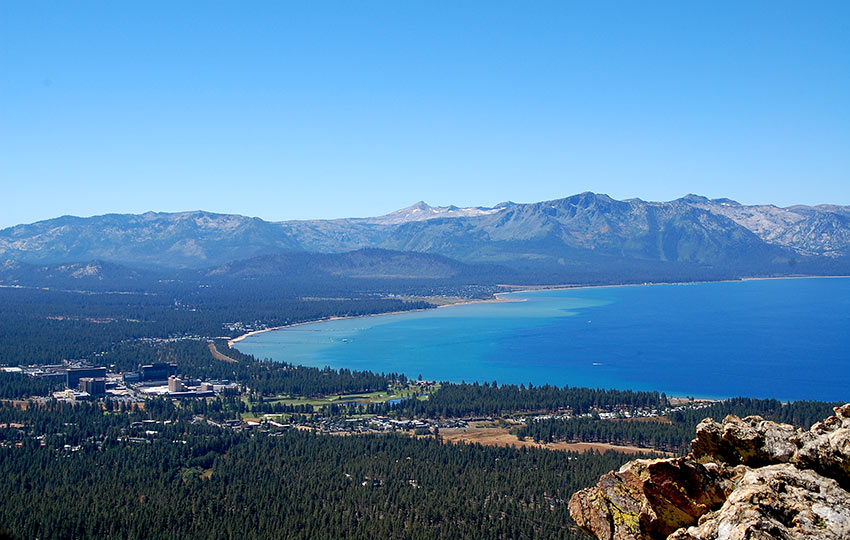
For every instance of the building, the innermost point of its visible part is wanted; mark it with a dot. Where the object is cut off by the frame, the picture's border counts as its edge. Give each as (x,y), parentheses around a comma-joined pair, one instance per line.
(92,386)
(190,394)
(159,371)
(175,385)
(51,373)
(73,375)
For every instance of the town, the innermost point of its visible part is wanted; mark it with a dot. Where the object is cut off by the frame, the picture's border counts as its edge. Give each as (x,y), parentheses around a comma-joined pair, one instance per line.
(234,405)
(84,383)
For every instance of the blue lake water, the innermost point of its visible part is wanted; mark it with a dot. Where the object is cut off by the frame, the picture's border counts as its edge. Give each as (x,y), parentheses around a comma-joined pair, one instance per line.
(788,339)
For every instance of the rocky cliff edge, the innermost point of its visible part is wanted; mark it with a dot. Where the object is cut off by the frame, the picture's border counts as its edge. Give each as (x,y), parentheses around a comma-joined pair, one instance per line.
(745,478)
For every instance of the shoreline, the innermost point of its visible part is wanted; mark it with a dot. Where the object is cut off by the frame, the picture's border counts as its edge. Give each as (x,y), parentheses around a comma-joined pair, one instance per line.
(239,338)
(538,288)
(520,289)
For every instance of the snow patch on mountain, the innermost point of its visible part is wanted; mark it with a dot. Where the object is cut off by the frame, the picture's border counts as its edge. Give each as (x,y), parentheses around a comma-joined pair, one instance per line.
(422,211)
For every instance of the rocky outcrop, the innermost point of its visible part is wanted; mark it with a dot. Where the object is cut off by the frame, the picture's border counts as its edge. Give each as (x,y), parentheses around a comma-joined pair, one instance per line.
(744,479)
(650,498)
(752,441)
(826,447)
(778,501)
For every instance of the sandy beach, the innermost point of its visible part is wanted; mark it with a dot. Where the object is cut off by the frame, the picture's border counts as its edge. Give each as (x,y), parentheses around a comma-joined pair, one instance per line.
(230,342)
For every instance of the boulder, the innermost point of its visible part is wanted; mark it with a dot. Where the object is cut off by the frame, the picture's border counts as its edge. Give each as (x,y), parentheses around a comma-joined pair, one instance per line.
(650,498)
(826,447)
(778,502)
(746,478)
(752,441)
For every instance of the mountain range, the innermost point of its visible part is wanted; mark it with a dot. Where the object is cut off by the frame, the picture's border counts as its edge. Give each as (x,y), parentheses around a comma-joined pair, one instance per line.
(579,236)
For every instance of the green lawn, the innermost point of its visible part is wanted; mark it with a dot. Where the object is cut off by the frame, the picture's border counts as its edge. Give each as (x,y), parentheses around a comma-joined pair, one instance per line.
(363,398)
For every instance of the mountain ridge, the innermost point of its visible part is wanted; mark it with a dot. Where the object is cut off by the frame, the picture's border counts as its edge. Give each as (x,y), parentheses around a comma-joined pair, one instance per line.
(581,229)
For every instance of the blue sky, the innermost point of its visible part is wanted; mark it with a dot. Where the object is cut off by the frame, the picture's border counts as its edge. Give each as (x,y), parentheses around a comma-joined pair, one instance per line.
(296,110)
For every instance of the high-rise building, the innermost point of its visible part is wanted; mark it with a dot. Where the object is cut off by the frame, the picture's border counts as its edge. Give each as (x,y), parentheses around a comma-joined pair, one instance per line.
(175,385)
(158,371)
(73,375)
(93,386)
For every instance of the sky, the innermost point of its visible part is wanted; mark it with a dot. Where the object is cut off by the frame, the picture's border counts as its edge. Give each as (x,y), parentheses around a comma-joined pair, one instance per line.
(302,110)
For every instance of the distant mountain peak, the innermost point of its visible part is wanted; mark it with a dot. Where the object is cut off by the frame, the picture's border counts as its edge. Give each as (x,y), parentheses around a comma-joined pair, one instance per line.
(587,197)
(422,211)
(694,198)
(691,198)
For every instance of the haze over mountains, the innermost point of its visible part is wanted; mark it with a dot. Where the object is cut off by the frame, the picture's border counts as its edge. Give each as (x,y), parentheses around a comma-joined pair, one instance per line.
(569,239)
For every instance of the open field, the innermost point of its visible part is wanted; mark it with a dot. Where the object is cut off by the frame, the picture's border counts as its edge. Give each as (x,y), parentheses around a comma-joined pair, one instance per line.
(501,436)
(360,399)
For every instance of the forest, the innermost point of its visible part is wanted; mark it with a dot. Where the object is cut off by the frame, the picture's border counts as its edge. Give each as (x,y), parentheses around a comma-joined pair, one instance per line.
(83,472)
(20,386)
(675,431)
(43,327)
(491,399)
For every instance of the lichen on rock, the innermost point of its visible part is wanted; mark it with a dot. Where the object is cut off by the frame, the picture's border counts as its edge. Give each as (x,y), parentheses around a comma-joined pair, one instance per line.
(745,479)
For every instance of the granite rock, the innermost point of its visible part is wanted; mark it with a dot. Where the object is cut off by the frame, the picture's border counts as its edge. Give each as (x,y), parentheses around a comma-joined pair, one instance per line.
(777,502)
(746,478)
(749,441)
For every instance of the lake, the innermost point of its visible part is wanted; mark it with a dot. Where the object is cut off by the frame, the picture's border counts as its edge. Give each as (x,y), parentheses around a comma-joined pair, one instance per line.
(782,338)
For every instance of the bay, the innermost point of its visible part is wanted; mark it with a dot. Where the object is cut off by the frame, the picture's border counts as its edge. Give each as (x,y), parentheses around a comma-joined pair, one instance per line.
(781,338)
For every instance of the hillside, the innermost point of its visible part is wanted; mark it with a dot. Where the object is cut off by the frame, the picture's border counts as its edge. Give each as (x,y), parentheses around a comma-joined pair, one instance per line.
(583,235)
(364,263)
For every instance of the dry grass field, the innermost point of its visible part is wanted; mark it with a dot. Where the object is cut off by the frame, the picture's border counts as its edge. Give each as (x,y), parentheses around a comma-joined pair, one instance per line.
(501,436)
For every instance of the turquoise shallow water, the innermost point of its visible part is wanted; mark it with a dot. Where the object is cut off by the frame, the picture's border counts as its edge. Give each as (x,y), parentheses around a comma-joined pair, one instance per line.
(788,339)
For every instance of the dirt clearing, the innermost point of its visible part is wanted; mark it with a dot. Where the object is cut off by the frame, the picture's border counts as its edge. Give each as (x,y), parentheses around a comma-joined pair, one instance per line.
(496,436)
